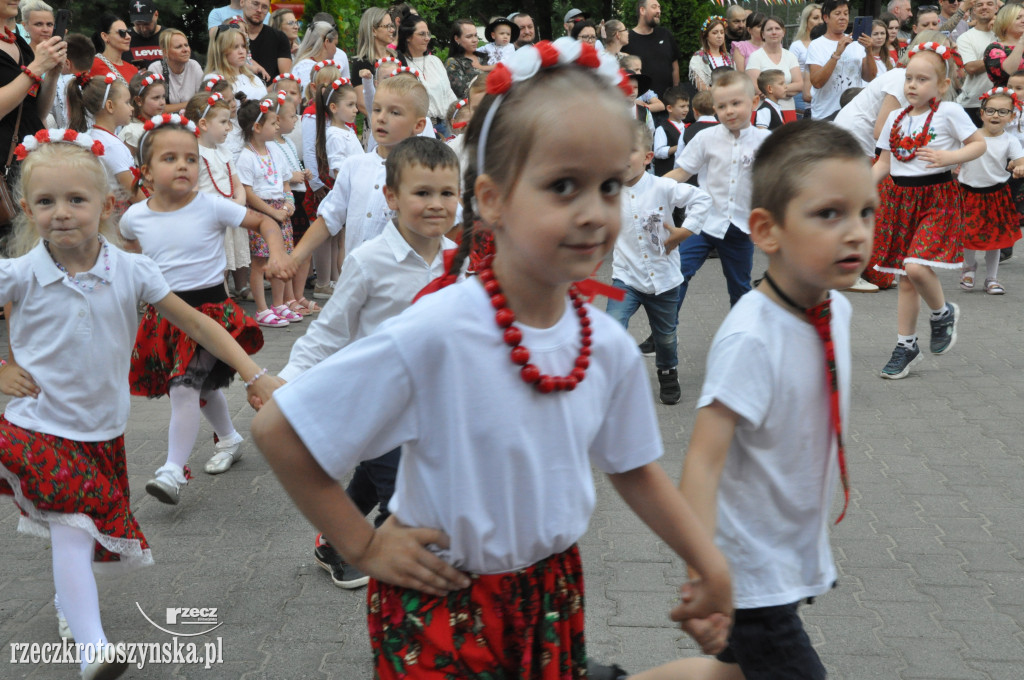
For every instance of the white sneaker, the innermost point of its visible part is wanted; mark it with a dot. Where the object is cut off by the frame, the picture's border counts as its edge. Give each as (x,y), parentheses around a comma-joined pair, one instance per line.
(225,454)
(166,485)
(863,286)
(102,669)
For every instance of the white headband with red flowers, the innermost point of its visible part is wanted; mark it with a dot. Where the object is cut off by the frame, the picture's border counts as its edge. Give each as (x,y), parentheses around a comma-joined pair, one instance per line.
(210,101)
(1004,91)
(462,103)
(285,76)
(150,79)
(384,60)
(323,64)
(337,83)
(108,80)
(211,80)
(407,69)
(946,53)
(531,59)
(165,119)
(82,139)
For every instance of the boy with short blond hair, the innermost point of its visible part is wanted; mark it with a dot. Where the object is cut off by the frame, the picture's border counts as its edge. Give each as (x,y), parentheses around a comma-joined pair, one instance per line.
(772,84)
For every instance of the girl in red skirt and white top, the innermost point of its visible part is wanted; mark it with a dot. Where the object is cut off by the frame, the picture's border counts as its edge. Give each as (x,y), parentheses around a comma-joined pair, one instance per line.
(990,218)
(472,577)
(920,223)
(183,231)
(62,452)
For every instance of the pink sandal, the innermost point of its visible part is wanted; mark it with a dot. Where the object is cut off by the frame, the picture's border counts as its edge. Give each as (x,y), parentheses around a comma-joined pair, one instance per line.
(268,318)
(287,314)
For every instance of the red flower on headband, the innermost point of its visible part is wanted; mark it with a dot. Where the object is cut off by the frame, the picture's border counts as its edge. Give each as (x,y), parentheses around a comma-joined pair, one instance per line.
(265,105)
(97,148)
(20,152)
(82,78)
(625,85)
(548,54)
(43,136)
(499,80)
(70,135)
(588,56)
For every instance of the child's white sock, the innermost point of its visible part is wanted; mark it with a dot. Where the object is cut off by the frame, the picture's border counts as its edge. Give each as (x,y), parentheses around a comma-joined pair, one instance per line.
(75,583)
(940,313)
(908,341)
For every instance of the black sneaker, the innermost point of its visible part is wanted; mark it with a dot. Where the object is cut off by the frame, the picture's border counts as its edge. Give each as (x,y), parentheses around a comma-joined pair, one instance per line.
(944,330)
(342,573)
(1005,254)
(670,392)
(599,671)
(900,362)
(647,346)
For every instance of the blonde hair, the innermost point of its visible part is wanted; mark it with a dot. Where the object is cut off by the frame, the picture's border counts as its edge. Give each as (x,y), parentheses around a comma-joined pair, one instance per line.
(411,88)
(166,36)
(215,61)
(804,33)
(69,158)
(321,78)
(1005,18)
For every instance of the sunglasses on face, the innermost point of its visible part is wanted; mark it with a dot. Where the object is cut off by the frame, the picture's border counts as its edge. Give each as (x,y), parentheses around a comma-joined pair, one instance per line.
(123,32)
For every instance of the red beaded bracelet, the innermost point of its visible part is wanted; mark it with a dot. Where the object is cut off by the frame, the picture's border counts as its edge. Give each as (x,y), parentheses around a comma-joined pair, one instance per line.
(33,76)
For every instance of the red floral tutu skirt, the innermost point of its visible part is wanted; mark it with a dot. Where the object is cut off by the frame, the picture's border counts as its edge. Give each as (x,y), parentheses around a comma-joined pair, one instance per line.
(77,484)
(919,224)
(990,219)
(522,625)
(258,247)
(310,202)
(165,355)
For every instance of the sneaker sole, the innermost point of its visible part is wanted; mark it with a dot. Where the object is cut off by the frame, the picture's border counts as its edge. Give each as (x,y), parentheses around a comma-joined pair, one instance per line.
(904,372)
(347,585)
(952,336)
(159,493)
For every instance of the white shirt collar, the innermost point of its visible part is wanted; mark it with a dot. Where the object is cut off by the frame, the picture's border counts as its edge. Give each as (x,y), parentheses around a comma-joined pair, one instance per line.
(46,271)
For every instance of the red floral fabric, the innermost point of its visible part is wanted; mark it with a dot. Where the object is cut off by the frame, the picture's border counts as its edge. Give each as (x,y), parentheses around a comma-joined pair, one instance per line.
(163,352)
(57,475)
(310,202)
(258,247)
(523,625)
(924,224)
(990,220)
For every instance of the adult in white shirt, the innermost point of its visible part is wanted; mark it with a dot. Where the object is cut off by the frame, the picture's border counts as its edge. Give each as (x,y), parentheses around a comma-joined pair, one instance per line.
(835,62)
(772,55)
(971,46)
(319,44)
(414,50)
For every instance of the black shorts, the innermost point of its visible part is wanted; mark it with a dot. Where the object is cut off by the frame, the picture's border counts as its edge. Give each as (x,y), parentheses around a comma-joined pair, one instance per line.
(769,643)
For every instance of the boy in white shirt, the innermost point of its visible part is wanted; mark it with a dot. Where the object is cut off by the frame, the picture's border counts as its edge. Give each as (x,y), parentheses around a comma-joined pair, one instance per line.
(378,281)
(772,84)
(766,450)
(645,263)
(357,200)
(721,156)
(503,34)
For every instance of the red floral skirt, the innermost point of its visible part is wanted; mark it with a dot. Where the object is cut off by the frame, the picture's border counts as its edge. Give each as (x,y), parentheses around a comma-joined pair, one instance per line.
(163,353)
(522,625)
(310,202)
(990,219)
(78,484)
(922,225)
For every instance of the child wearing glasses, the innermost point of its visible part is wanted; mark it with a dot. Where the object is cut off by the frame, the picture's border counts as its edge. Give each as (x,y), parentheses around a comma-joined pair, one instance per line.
(990,220)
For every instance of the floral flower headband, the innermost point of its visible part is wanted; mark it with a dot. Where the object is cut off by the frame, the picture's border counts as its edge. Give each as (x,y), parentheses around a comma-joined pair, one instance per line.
(210,101)
(286,76)
(407,69)
(211,80)
(946,53)
(323,64)
(150,79)
(82,139)
(338,83)
(462,103)
(710,20)
(271,103)
(165,119)
(527,61)
(1005,92)
(108,80)
(384,60)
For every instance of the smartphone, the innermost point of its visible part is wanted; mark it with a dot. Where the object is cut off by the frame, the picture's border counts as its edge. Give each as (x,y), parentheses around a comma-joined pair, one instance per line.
(861,26)
(60,23)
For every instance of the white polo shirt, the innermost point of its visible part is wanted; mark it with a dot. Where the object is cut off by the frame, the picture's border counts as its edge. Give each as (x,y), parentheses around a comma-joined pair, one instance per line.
(722,162)
(76,344)
(379,280)
(640,260)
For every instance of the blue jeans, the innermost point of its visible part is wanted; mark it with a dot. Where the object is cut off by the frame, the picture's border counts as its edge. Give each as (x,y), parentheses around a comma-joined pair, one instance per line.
(661,312)
(373,484)
(736,252)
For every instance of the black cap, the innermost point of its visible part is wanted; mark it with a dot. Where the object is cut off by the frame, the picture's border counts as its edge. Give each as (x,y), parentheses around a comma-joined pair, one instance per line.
(141,10)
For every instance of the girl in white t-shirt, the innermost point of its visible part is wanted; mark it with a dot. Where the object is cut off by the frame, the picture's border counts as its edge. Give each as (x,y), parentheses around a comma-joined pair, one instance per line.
(920,222)
(218,175)
(265,172)
(62,454)
(149,95)
(108,101)
(336,111)
(503,489)
(990,220)
(182,230)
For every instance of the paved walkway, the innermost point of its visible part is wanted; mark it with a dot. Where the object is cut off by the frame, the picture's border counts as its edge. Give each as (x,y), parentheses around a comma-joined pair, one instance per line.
(931,584)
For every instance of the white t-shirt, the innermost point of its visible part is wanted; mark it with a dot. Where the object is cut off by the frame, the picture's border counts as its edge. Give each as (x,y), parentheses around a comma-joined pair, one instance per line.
(235,142)
(509,480)
(950,127)
(859,116)
(342,143)
(971,46)
(798,50)
(76,344)
(777,485)
(116,156)
(265,174)
(252,86)
(131,133)
(378,281)
(990,168)
(215,172)
(497,54)
(846,74)
(188,243)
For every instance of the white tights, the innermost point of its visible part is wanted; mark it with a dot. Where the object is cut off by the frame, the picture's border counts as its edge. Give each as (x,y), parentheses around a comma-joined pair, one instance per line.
(991,262)
(185,410)
(75,582)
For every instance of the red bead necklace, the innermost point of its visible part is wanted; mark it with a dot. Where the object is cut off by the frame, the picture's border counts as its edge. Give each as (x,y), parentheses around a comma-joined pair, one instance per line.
(520,356)
(231,181)
(8,36)
(904,147)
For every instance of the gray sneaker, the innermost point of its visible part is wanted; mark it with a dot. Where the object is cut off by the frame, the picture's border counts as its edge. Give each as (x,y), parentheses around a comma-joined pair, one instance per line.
(900,362)
(944,330)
